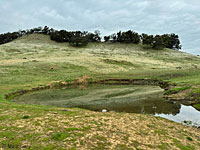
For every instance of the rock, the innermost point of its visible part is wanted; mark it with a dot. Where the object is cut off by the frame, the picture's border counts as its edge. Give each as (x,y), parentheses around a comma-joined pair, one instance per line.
(104,110)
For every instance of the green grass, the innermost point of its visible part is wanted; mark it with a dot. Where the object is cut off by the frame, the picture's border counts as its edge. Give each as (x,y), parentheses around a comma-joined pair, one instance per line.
(60,136)
(120,63)
(197,106)
(196,91)
(183,147)
(176,90)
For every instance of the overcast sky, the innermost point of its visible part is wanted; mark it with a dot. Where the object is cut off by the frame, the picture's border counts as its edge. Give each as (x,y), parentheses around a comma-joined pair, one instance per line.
(143,16)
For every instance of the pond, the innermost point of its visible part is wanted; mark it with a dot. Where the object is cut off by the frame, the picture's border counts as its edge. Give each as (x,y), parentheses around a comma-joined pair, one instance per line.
(118,98)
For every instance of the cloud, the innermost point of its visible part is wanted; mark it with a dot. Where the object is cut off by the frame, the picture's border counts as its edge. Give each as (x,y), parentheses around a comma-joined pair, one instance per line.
(149,16)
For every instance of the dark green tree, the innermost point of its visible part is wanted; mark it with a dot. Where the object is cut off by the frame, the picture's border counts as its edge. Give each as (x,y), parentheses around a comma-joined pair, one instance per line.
(158,42)
(114,37)
(175,41)
(106,38)
(46,30)
(147,39)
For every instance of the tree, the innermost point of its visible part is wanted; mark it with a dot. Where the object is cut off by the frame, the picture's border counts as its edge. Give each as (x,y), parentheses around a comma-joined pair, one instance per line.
(128,37)
(97,37)
(114,37)
(158,42)
(94,37)
(106,38)
(61,36)
(147,39)
(175,41)
(46,30)
(79,39)
(119,36)
(135,38)
(171,41)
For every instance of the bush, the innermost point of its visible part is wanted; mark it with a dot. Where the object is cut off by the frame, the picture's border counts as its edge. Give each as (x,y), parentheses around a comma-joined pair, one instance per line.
(26,117)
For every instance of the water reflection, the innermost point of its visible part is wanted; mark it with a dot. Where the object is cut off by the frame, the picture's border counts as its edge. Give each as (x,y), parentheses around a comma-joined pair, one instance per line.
(187,115)
(149,106)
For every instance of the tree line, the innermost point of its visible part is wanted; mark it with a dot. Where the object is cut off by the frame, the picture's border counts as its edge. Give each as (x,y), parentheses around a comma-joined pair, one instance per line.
(81,38)
(158,41)
(75,38)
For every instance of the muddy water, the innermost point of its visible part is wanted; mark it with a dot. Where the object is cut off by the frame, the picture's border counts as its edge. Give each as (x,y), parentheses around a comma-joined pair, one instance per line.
(118,98)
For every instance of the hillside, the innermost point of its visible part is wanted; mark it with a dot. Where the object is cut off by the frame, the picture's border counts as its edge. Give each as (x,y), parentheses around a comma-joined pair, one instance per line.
(35,60)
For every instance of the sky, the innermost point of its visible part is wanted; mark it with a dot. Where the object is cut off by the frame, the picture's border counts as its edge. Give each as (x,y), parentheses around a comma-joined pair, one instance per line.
(143,16)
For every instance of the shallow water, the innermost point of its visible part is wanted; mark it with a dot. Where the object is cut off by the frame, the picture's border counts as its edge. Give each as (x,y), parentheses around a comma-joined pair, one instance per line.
(118,98)
(187,115)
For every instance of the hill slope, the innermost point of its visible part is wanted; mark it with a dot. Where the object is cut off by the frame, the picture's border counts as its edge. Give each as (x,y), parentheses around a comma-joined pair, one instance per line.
(36,60)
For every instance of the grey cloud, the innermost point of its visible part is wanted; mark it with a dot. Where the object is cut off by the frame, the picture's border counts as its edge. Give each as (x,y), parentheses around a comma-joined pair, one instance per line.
(149,16)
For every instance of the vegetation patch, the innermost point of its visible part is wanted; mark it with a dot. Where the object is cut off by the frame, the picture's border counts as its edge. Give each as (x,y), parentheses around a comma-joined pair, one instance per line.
(118,62)
(176,90)
(183,146)
(60,136)
(26,117)
(197,106)
(196,93)
(189,138)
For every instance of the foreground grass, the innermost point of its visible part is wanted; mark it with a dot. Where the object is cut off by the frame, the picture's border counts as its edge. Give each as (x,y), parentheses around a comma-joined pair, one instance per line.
(35,60)
(42,127)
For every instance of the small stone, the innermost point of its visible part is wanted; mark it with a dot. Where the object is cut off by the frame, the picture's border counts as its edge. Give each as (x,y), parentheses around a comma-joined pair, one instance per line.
(104,110)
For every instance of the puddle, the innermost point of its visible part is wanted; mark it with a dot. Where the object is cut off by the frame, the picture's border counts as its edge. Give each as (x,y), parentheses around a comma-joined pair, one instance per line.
(118,98)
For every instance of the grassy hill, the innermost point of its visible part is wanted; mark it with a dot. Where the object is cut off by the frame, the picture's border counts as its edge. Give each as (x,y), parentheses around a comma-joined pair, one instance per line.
(35,60)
